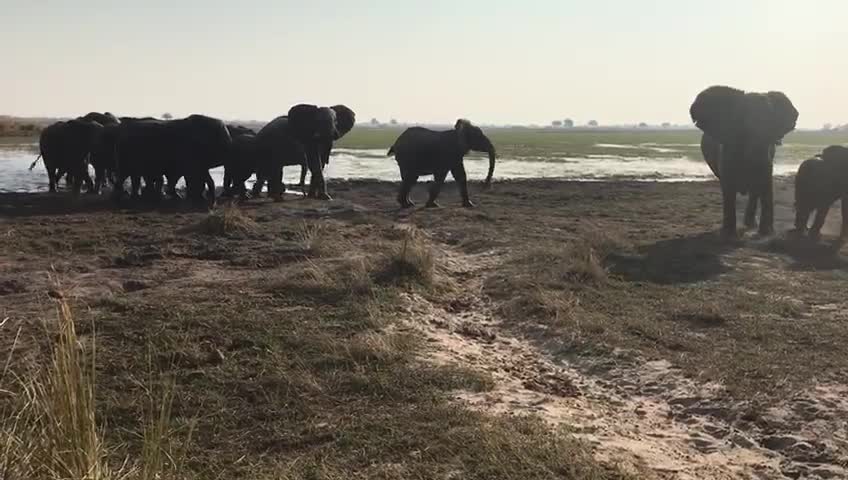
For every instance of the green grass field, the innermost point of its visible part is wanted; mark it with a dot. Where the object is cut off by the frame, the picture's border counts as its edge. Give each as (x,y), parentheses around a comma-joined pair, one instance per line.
(526,142)
(549,143)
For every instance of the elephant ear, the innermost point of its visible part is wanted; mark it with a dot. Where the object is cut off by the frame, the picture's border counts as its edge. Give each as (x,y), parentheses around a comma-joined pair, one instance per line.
(769,116)
(303,119)
(717,111)
(785,115)
(462,126)
(345,120)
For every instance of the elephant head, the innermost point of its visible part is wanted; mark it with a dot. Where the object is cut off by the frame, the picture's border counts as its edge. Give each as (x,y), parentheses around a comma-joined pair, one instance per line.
(311,124)
(470,137)
(345,120)
(731,116)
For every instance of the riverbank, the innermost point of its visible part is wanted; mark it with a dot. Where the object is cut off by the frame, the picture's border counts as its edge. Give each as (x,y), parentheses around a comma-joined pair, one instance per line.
(556,330)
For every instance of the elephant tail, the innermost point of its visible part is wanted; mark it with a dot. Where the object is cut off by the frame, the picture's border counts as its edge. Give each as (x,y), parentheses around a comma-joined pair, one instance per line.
(391,151)
(33,164)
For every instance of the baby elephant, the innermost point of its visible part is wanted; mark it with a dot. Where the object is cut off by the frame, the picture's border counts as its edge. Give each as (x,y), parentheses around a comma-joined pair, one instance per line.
(421,151)
(820,181)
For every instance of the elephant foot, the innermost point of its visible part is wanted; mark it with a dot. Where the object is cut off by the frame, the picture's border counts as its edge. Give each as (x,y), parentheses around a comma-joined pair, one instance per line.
(432,204)
(468,204)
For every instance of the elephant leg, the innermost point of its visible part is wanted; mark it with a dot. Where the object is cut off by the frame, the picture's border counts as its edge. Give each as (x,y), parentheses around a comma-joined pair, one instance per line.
(406,185)
(171,190)
(728,200)
(802,218)
(118,187)
(461,178)
(303,170)
(228,186)
(818,223)
(135,185)
(99,174)
(210,185)
(257,186)
(52,179)
(275,183)
(89,184)
(317,183)
(843,230)
(751,211)
(767,210)
(436,188)
(77,179)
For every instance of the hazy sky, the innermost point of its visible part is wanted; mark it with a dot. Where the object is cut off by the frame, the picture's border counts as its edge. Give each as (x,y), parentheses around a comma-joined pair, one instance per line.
(493,61)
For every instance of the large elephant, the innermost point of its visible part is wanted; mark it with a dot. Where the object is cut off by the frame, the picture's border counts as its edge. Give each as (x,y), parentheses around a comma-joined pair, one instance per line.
(748,126)
(187,147)
(303,137)
(821,181)
(421,151)
(316,128)
(65,147)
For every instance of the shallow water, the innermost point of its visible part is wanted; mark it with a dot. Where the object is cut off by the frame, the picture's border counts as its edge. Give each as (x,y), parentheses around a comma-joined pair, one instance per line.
(347,163)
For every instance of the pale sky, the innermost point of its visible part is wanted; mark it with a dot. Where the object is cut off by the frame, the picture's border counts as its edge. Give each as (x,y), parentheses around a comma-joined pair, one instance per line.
(492,61)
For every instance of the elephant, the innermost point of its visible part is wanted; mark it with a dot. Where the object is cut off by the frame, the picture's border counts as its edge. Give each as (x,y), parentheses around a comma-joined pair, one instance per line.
(65,147)
(303,137)
(187,147)
(821,181)
(748,126)
(275,148)
(421,151)
(316,128)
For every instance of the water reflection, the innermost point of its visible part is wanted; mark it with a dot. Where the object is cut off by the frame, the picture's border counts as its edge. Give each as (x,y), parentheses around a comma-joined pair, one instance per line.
(15,160)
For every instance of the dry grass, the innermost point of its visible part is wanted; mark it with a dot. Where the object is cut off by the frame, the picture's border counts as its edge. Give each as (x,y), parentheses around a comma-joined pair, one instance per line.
(227,220)
(51,429)
(411,262)
(311,237)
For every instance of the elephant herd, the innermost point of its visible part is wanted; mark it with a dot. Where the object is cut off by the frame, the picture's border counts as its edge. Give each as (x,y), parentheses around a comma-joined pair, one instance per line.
(741,131)
(161,152)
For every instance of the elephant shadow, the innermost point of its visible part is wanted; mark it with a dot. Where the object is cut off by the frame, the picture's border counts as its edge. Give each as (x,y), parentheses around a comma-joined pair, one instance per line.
(52,204)
(676,261)
(809,255)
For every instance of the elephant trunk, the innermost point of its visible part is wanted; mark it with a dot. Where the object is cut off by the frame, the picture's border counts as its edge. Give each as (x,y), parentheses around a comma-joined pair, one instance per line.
(491,166)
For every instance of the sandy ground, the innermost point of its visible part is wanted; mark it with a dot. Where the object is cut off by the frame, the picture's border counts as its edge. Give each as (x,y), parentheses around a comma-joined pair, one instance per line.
(682,355)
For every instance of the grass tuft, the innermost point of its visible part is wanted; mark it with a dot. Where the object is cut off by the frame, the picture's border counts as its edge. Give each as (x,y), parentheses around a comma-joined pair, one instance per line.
(311,238)
(410,262)
(227,220)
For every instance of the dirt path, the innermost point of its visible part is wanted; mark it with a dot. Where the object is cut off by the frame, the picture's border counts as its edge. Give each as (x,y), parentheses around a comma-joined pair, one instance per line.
(648,416)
